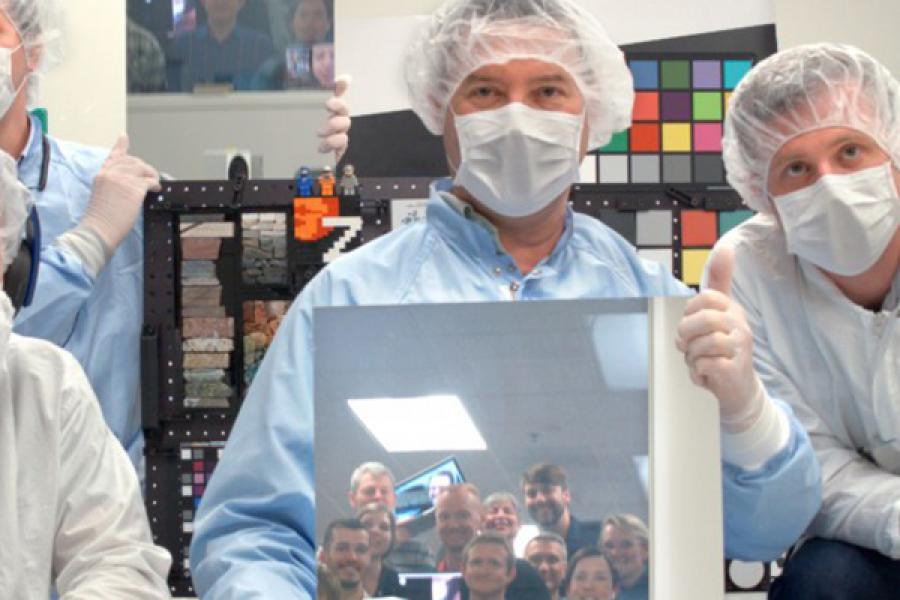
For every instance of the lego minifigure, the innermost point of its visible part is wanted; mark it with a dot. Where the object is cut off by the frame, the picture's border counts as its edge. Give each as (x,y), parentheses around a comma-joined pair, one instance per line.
(349,183)
(326,182)
(304,182)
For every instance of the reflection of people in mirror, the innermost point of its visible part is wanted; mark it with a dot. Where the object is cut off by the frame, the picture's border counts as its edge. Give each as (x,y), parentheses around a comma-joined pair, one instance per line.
(438,483)
(379,579)
(546,552)
(501,514)
(547,499)
(323,64)
(626,541)
(590,576)
(345,553)
(489,566)
(221,50)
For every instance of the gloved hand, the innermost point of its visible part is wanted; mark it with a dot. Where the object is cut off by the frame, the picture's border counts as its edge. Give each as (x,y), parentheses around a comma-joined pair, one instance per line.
(718,347)
(334,133)
(118,194)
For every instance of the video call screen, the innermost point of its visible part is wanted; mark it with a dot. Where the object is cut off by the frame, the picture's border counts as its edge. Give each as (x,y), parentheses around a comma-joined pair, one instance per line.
(416,494)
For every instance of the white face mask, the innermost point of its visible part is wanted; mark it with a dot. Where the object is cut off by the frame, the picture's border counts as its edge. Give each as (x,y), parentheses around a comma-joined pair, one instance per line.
(8,89)
(516,160)
(842,223)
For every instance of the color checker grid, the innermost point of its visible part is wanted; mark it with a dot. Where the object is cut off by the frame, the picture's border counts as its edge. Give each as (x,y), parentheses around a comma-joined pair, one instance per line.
(196,465)
(676,134)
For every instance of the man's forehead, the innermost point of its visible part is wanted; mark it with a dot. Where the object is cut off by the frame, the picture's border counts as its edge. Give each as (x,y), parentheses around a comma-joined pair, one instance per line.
(530,70)
(457,500)
(372,479)
(543,547)
(343,534)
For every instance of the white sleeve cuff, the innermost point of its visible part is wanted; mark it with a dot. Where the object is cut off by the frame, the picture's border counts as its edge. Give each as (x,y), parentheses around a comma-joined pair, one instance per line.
(84,243)
(752,448)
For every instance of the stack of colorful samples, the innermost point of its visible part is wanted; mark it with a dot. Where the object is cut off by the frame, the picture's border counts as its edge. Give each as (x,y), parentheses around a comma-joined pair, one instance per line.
(264,242)
(207,331)
(261,321)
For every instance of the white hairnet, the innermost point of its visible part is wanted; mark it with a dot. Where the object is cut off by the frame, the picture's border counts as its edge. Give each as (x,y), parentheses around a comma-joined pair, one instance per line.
(39,23)
(464,35)
(15,202)
(800,90)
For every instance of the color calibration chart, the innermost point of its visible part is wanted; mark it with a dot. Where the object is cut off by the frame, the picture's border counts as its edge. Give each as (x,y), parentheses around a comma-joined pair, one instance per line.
(673,150)
(197,463)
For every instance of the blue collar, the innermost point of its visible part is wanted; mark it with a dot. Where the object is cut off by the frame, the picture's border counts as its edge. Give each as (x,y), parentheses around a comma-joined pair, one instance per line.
(474,235)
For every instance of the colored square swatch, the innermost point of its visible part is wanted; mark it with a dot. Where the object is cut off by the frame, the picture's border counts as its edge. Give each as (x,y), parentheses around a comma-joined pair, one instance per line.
(613,168)
(618,143)
(588,169)
(658,255)
(727,100)
(645,168)
(646,106)
(677,168)
(708,106)
(699,228)
(623,223)
(735,71)
(676,137)
(708,168)
(676,106)
(708,137)
(707,74)
(728,220)
(645,74)
(692,264)
(675,74)
(654,228)
(645,137)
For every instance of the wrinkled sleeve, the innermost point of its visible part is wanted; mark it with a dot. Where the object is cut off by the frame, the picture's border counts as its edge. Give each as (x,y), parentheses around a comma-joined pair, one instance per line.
(63,287)
(255,529)
(767,509)
(860,501)
(103,546)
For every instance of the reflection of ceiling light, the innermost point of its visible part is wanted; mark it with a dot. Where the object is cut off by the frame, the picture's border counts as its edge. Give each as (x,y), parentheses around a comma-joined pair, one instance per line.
(420,424)
(622,344)
(642,467)
(525,535)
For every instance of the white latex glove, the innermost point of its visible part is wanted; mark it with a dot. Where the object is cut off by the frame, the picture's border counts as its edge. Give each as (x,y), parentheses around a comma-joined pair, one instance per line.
(118,194)
(718,348)
(334,133)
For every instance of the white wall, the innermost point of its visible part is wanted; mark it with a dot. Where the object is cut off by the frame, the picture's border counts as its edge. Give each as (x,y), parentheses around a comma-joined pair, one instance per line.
(869,24)
(85,95)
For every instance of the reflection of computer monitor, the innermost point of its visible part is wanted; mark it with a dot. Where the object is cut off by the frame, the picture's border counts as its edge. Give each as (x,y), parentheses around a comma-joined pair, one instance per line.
(416,494)
(426,586)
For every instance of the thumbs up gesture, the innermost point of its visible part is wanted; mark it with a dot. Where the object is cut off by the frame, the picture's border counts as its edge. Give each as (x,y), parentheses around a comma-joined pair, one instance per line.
(718,346)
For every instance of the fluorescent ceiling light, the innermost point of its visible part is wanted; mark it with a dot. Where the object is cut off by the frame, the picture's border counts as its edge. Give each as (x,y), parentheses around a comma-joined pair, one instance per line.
(419,424)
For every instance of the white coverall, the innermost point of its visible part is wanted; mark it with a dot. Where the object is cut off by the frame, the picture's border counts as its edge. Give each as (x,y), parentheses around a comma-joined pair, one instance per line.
(70,506)
(838,365)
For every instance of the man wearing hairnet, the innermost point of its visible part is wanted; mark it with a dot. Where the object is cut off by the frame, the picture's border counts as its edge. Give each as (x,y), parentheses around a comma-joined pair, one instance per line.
(72,515)
(519,90)
(812,141)
(89,297)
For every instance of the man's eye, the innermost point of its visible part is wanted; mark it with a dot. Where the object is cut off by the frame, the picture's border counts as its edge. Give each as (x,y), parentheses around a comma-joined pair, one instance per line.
(796,169)
(851,151)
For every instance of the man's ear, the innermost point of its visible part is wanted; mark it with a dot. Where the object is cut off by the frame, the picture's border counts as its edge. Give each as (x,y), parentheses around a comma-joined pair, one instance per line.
(511,575)
(33,56)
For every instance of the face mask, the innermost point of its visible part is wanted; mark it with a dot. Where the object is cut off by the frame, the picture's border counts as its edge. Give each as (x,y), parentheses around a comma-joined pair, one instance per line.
(8,90)
(842,223)
(516,160)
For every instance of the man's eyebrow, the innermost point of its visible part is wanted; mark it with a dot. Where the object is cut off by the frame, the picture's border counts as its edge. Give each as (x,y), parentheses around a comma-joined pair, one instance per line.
(548,79)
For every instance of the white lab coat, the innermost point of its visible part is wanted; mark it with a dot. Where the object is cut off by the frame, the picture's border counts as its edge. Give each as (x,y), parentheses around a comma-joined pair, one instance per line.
(838,365)
(70,506)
